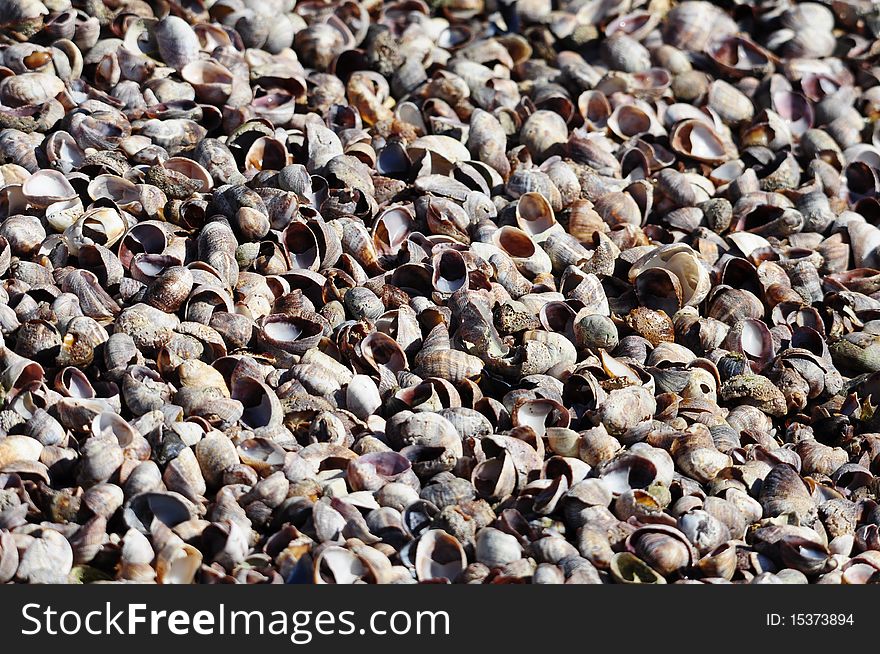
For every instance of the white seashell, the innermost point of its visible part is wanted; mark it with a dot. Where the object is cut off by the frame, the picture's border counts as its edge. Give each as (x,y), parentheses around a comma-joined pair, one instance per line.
(362,396)
(684,263)
(47,187)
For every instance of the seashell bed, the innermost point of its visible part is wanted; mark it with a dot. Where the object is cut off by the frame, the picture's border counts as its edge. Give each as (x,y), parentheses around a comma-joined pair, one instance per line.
(471,291)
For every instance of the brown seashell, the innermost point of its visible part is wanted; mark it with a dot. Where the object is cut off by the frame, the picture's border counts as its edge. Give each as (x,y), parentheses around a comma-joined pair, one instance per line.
(738,56)
(695,139)
(693,25)
(688,275)
(784,492)
(663,548)
(170,290)
(730,103)
(543,133)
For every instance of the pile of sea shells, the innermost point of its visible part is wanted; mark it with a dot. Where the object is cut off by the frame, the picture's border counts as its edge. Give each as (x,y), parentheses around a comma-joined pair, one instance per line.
(481,291)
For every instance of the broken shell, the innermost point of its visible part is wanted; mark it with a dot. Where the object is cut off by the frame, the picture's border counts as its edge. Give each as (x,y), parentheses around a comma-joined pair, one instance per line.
(439,556)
